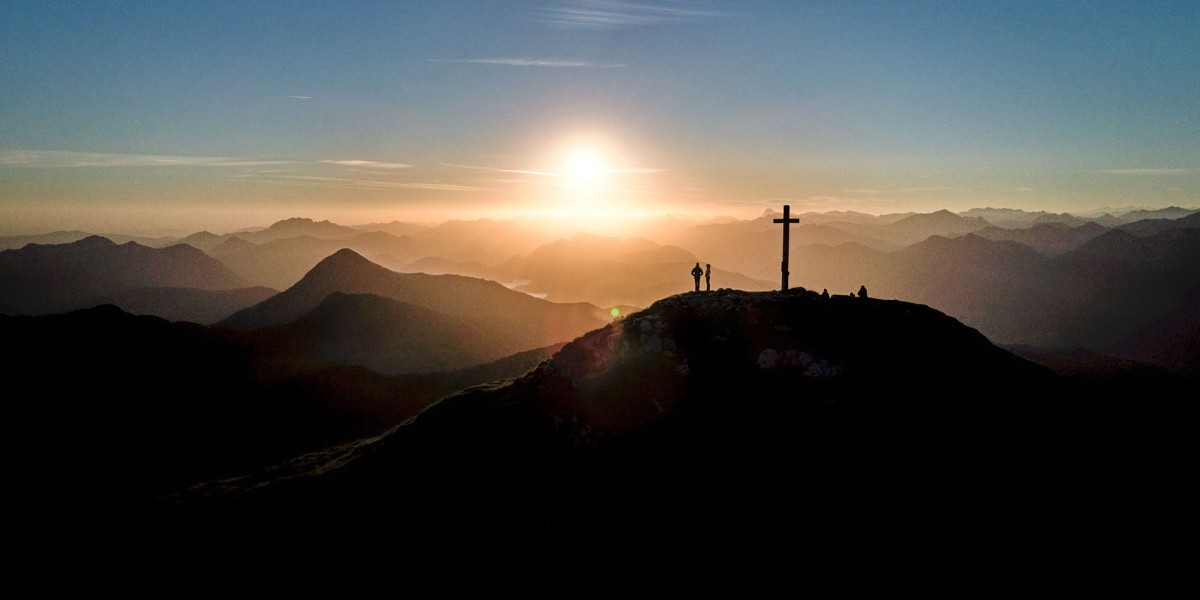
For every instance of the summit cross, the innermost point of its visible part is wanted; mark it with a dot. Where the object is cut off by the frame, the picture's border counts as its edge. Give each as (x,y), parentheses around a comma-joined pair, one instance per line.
(786,220)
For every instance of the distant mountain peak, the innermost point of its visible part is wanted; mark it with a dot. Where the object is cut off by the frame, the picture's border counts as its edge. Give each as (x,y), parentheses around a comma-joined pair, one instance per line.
(93,241)
(343,263)
(347,256)
(294,221)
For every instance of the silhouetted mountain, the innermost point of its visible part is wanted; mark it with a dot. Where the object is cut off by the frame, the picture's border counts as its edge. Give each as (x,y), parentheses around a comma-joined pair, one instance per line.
(230,245)
(396,228)
(1049,239)
(484,240)
(41,279)
(753,247)
(504,368)
(187,304)
(1100,374)
(842,269)
(66,237)
(1152,226)
(697,433)
(1106,220)
(1008,218)
(1172,341)
(521,321)
(389,337)
(1060,218)
(203,240)
(441,266)
(921,226)
(281,263)
(297,227)
(12,242)
(1117,284)
(1173,212)
(976,279)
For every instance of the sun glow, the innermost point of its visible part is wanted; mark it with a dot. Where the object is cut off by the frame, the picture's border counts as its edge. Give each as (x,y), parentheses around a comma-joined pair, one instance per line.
(587,181)
(586,167)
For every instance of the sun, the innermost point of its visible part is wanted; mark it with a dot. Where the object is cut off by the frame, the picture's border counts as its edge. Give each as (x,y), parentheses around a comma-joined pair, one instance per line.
(586,167)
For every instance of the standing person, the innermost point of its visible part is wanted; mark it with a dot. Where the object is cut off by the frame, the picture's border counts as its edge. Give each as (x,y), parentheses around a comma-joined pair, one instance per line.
(707,277)
(696,273)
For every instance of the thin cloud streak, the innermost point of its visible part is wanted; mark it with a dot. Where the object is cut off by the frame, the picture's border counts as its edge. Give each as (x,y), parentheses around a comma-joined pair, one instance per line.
(61,159)
(371,183)
(67,159)
(496,170)
(531,62)
(369,164)
(1147,172)
(607,14)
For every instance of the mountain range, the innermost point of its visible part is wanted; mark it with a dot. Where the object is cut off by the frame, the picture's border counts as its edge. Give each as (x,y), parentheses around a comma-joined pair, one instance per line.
(699,433)
(508,419)
(1061,291)
(43,279)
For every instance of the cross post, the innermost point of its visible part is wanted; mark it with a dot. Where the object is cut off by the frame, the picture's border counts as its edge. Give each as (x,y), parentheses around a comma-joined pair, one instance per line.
(786,220)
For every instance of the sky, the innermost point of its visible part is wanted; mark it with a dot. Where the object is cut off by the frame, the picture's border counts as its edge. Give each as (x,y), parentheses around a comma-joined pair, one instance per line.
(178,116)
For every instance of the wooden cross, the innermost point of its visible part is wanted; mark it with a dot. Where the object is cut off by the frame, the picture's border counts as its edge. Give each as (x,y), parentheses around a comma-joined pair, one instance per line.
(786,220)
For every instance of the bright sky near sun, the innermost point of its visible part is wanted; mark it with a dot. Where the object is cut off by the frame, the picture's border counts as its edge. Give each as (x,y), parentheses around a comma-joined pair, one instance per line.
(188,115)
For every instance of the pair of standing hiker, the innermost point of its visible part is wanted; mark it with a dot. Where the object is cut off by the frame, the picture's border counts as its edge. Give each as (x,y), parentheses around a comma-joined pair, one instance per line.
(706,272)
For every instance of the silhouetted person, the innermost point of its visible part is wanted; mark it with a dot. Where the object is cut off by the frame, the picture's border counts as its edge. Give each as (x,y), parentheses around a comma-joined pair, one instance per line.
(696,273)
(862,291)
(825,293)
(707,277)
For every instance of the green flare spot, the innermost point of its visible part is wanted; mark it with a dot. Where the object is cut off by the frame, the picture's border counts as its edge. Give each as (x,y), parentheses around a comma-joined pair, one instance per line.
(615,312)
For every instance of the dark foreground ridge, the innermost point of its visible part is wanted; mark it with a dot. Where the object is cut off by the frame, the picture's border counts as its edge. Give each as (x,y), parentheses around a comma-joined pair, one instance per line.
(710,430)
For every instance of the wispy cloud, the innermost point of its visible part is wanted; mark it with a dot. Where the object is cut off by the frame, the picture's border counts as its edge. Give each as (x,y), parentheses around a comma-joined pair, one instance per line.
(497,170)
(346,182)
(299,97)
(1150,172)
(56,158)
(533,62)
(607,14)
(367,164)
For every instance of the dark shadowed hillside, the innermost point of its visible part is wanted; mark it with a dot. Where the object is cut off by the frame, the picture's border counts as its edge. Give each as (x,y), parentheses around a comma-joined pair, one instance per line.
(1117,284)
(694,434)
(41,279)
(187,304)
(122,408)
(1172,341)
(389,336)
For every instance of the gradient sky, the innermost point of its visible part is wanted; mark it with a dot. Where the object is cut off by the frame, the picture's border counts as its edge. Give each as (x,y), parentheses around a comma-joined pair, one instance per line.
(137,116)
